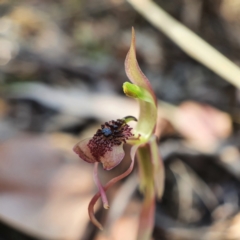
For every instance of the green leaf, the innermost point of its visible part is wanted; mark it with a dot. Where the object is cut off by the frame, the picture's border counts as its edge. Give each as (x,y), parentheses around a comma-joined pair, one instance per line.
(158,167)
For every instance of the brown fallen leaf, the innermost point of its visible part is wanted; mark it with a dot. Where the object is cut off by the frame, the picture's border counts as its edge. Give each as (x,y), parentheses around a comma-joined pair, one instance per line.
(44,191)
(202,125)
(233,232)
(126,226)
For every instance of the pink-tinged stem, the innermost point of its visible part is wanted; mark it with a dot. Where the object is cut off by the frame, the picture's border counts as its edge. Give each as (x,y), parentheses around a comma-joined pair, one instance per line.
(100,187)
(146,223)
(107,186)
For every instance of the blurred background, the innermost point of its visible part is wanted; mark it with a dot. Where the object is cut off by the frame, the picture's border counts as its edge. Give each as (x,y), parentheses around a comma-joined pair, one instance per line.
(61,76)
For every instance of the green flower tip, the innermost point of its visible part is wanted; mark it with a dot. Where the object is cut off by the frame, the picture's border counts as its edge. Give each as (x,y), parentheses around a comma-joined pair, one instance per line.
(131,90)
(134,91)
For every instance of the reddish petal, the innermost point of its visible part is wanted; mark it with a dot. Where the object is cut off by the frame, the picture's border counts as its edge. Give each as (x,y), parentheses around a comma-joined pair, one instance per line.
(100,187)
(112,158)
(133,70)
(83,151)
(108,185)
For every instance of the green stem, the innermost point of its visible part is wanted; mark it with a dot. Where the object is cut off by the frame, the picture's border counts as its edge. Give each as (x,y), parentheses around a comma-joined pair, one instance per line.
(147,216)
(147,186)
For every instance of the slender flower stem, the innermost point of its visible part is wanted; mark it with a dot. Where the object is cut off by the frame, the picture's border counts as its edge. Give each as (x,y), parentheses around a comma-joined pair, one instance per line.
(146,223)
(100,187)
(107,186)
(147,187)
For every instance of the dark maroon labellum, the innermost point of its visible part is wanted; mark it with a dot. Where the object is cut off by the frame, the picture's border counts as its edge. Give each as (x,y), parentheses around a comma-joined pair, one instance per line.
(112,133)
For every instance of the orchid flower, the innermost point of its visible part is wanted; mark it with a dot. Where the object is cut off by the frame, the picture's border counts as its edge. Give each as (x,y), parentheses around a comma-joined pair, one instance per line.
(106,147)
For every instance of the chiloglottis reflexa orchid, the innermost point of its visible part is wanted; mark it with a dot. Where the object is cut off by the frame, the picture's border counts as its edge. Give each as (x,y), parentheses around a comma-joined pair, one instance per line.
(106,147)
